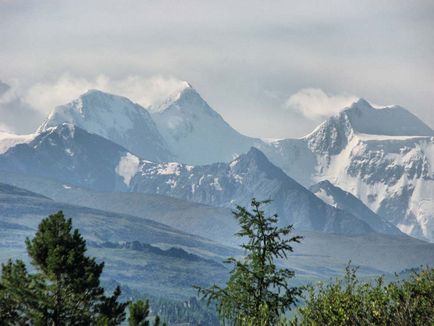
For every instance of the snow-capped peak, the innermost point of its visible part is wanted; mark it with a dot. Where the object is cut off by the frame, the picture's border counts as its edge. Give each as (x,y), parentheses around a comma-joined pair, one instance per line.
(95,111)
(192,128)
(363,119)
(115,118)
(187,100)
(390,120)
(173,97)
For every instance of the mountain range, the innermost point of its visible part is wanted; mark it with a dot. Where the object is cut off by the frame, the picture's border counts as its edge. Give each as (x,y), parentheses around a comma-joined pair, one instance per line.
(152,189)
(73,156)
(383,157)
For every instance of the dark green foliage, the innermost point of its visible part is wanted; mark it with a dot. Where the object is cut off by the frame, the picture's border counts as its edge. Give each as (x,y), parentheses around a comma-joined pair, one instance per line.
(257,292)
(66,287)
(19,294)
(110,311)
(139,314)
(351,302)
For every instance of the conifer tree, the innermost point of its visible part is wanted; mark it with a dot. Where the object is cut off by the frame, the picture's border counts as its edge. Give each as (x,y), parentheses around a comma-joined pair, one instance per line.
(65,290)
(257,292)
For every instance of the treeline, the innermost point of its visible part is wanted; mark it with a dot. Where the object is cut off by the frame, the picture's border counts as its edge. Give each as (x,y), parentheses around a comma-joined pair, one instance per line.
(65,287)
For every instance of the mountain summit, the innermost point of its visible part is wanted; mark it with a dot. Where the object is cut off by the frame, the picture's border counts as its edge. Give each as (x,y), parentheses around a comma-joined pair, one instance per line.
(362,118)
(196,133)
(115,118)
(390,120)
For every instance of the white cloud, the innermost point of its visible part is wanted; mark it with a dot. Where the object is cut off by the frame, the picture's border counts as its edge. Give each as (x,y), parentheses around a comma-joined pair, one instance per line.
(145,91)
(315,104)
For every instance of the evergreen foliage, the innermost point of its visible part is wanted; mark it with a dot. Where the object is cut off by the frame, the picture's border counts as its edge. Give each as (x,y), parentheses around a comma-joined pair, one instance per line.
(257,292)
(65,290)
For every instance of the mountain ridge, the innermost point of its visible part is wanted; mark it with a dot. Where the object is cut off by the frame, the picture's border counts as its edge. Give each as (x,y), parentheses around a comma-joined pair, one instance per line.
(249,175)
(346,149)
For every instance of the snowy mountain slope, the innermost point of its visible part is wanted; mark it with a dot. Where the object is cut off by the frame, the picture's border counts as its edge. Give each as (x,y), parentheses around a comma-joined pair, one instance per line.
(115,118)
(250,175)
(333,135)
(390,171)
(391,120)
(304,158)
(394,177)
(336,197)
(71,155)
(197,134)
(318,155)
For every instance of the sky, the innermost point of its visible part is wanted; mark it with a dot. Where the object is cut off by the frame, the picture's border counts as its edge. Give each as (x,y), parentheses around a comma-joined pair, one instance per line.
(272,69)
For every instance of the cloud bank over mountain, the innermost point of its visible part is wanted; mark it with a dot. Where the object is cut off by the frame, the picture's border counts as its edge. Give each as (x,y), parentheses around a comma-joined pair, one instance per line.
(245,58)
(145,91)
(314,103)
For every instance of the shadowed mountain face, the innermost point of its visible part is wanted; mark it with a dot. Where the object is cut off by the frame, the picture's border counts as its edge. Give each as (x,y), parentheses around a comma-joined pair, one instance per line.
(250,175)
(68,154)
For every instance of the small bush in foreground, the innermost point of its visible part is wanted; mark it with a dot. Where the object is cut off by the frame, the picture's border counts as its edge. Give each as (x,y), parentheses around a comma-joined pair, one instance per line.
(351,302)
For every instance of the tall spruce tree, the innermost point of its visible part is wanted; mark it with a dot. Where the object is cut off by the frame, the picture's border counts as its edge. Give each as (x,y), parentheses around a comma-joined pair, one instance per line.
(65,290)
(257,292)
